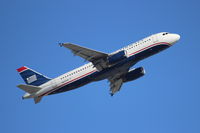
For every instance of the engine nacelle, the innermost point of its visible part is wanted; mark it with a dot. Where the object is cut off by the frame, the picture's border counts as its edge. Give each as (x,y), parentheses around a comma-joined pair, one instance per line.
(117,57)
(134,74)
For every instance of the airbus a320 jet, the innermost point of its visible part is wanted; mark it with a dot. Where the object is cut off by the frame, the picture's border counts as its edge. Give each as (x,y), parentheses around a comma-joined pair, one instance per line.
(115,67)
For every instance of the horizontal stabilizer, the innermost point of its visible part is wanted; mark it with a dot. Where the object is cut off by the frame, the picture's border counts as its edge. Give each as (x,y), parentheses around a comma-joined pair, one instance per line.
(37,99)
(29,88)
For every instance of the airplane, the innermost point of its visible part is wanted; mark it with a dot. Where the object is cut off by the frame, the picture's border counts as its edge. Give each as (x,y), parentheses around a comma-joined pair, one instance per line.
(116,67)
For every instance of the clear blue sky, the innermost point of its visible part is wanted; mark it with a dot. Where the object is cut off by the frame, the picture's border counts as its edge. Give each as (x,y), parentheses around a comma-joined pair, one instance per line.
(165,100)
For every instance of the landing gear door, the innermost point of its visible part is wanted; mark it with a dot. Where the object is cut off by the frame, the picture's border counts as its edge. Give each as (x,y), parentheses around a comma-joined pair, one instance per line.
(155,38)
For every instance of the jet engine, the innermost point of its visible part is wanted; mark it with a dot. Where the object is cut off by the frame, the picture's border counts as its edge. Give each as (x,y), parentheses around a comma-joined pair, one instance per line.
(112,59)
(134,74)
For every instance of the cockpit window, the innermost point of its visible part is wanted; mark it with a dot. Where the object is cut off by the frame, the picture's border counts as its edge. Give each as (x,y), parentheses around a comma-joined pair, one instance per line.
(165,33)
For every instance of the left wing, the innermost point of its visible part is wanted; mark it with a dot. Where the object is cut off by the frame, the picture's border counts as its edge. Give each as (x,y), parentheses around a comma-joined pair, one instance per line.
(97,58)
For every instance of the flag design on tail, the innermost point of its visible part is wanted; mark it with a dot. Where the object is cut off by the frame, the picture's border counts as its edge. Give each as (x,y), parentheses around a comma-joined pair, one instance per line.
(32,77)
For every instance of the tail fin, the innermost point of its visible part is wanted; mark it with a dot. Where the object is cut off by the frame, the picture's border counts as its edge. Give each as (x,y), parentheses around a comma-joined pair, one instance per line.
(32,77)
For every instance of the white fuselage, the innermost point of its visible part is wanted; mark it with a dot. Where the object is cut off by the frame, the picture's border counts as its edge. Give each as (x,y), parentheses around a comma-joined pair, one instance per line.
(147,44)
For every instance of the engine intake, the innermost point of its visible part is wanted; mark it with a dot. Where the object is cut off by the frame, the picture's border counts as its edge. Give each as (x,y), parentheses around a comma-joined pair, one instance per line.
(112,59)
(134,74)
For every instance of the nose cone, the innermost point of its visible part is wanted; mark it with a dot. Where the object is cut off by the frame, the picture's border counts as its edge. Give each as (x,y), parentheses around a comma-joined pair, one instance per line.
(175,38)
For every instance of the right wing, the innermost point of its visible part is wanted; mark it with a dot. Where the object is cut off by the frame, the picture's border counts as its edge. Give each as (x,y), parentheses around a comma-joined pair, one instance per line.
(97,58)
(117,80)
(115,85)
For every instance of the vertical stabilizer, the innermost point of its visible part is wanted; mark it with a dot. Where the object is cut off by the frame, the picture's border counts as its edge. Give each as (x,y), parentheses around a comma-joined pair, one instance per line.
(32,77)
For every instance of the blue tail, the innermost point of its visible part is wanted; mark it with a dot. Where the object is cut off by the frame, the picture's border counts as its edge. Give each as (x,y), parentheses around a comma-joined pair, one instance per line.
(32,77)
